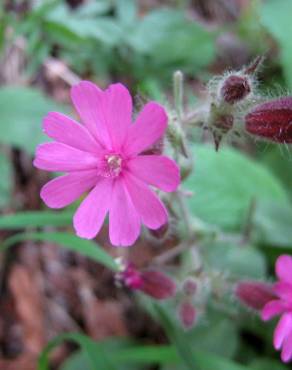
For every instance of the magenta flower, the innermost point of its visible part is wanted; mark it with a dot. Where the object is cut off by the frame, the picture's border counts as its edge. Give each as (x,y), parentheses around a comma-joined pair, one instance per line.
(282,306)
(105,156)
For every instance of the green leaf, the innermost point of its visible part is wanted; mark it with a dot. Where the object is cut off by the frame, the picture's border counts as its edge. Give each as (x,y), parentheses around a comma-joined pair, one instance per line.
(272,222)
(172,28)
(225,183)
(218,336)
(103,29)
(73,243)
(6,183)
(21,114)
(193,358)
(276,17)
(241,261)
(96,357)
(267,364)
(22,220)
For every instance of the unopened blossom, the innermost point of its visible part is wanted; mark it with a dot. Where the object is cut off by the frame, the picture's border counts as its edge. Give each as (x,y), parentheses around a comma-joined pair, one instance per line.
(282,305)
(103,156)
(271,120)
(254,294)
(187,314)
(235,88)
(152,282)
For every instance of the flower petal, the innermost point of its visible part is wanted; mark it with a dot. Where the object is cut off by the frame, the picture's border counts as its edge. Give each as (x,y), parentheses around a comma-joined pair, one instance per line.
(156,170)
(272,309)
(283,328)
(124,221)
(149,126)
(286,354)
(64,190)
(88,100)
(283,291)
(67,131)
(61,157)
(117,109)
(284,268)
(91,213)
(151,210)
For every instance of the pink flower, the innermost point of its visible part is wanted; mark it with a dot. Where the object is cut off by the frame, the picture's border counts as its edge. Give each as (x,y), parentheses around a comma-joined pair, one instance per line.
(154,283)
(105,156)
(282,306)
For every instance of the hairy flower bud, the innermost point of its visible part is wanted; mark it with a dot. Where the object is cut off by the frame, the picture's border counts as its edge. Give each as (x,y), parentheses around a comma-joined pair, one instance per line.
(187,314)
(271,120)
(189,286)
(235,88)
(254,294)
(151,282)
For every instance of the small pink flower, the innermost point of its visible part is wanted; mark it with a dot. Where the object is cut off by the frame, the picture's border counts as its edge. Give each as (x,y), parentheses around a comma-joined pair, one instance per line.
(103,156)
(154,283)
(282,306)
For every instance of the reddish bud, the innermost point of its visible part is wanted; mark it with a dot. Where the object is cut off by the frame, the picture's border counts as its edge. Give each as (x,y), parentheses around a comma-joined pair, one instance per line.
(151,282)
(189,286)
(187,314)
(271,120)
(235,88)
(158,285)
(254,294)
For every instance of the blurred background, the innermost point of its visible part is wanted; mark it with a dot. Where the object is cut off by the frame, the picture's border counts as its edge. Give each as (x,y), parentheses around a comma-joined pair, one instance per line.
(46,290)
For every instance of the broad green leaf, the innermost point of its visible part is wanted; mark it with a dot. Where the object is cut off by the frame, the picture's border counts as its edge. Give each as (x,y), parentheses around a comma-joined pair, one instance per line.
(273,224)
(267,364)
(241,261)
(276,17)
(96,357)
(218,336)
(193,358)
(21,114)
(103,29)
(73,243)
(23,220)
(172,28)
(6,183)
(77,361)
(225,183)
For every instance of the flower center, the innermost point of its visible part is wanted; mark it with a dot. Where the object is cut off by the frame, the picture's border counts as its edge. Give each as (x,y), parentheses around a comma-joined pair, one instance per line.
(111,165)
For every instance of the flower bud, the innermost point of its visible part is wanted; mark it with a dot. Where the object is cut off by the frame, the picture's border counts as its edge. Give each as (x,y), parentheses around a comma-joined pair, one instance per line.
(271,120)
(187,314)
(254,294)
(158,285)
(235,88)
(189,286)
(151,282)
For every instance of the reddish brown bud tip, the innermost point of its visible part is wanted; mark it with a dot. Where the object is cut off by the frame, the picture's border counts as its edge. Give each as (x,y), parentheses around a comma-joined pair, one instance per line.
(187,315)
(189,286)
(271,120)
(254,294)
(156,149)
(158,285)
(160,232)
(235,88)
